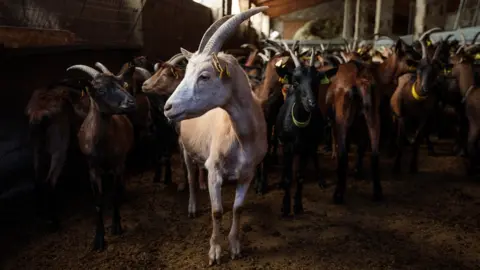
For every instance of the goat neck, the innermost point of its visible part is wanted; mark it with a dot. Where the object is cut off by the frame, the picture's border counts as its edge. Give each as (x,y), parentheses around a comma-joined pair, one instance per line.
(93,129)
(465,76)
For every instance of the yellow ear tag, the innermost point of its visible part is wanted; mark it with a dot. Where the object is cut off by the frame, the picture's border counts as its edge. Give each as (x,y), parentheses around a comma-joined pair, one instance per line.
(325,80)
(477,56)
(125,85)
(283,80)
(429,42)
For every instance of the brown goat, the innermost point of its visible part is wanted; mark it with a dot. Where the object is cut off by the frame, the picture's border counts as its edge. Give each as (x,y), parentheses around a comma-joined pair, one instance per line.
(413,104)
(463,71)
(105,138)
(52,120)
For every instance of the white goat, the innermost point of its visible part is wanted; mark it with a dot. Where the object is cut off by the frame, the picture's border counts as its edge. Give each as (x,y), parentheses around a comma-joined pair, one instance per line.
(222,125)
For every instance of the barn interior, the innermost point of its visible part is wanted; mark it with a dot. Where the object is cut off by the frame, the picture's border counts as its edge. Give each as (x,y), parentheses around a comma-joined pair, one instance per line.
(429,220)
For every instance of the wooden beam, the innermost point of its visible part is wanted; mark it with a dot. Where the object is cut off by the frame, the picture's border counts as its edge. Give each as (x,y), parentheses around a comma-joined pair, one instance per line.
(282,7)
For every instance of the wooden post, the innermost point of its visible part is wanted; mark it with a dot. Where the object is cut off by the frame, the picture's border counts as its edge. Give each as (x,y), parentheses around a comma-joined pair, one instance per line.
(459,13)
(357,20)
(347,23)
(420,16)
(378,17)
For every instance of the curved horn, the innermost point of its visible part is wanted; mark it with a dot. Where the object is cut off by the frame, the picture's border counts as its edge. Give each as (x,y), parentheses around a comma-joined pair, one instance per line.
(89,70)
(285,46)
(156,67)
(294,57)
(145,73)
(339,59)
(176,59)
(103,68)
(429,32)
(448,37)
(215,43)
(475,38)
(272,49)
(275,44)
(211,30)
(422,43)
(296,46)
(250,46)
(175,56)
(263,56)
(312,57)
(322,47)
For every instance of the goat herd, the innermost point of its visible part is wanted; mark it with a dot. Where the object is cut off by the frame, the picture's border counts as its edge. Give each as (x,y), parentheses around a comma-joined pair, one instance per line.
(228,112)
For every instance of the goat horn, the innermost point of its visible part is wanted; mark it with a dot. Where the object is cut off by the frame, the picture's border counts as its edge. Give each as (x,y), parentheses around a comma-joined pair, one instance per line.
(275,44)
(429,32)
(145,73)
(173,57)
(322,47)
(225,30)
(250,46)
(263,56)
(438,49)
(426,34)
(296,46)
(294,57)
(448,37)
(211,30)
(156,66)
(475,38)
(312,57)
(340,60)
(276,50)
(103,68)
(89,70)
(176,59)
(266,52)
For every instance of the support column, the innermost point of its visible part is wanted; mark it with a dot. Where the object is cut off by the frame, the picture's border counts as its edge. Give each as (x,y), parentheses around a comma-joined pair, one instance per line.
(420,16)
(378,17)
(347,22)
(357,20)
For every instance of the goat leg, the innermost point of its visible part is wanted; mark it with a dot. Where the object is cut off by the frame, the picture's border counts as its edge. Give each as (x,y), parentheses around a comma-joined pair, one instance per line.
(342,165)
(321,181)
(472,147)
(193,172)
(233,236)
(373,123)
(261,178)
(99,239)
(215,190)
(300,178)
(400,142)
(358,171)
(118,190)
(288,155)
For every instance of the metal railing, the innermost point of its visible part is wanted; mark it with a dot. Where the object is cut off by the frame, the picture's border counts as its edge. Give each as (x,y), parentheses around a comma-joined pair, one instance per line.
(469,33)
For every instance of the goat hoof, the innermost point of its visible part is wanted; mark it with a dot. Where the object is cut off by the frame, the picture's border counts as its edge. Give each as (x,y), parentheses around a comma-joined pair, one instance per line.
(214,254)
(99,244)
(117,228)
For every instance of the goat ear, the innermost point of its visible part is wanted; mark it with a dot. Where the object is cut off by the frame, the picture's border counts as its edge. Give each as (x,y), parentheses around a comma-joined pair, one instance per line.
(186,53)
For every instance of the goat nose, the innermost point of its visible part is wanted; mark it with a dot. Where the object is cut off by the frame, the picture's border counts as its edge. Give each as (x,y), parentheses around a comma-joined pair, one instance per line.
(167,107)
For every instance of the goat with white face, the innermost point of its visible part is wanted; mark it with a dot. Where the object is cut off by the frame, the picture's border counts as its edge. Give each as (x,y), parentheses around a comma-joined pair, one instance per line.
(222,124)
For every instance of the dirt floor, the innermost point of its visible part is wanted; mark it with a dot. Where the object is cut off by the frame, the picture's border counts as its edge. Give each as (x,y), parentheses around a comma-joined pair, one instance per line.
(428,221)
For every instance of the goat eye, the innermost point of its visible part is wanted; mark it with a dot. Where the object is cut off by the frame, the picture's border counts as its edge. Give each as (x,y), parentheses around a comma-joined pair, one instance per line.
(204,77)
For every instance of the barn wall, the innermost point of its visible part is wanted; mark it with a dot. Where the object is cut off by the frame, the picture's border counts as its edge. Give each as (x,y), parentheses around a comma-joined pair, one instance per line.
(92,21)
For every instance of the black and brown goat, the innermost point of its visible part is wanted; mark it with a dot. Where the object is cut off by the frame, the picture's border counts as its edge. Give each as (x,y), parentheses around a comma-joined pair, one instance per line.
(299,126)
(413,104)
(105,138)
